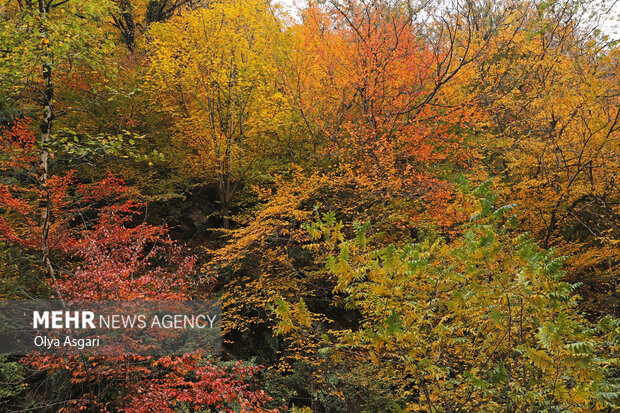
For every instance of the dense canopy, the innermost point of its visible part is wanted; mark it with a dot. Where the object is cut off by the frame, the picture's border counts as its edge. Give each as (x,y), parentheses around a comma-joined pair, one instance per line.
(402,205)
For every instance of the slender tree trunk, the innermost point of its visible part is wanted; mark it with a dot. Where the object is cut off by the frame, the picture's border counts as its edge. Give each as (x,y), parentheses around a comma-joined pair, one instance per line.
(46,133)
(125,23)
(225,189)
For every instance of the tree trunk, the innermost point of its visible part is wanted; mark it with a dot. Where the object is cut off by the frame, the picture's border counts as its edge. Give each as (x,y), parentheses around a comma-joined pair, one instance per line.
(126,24)
(46,133)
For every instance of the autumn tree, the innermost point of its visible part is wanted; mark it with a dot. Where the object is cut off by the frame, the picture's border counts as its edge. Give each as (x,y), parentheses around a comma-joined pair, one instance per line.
(213,70)
(37,38)
(382,86)
(550,81)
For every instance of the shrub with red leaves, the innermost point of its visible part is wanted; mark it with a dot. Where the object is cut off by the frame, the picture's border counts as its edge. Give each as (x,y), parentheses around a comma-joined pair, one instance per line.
(103,249)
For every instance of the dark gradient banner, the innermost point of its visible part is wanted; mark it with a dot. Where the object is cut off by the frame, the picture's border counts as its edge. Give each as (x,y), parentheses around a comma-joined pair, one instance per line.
(157,327)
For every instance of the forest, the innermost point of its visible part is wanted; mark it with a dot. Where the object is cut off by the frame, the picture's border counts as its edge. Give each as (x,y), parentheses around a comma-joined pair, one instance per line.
(401,205)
